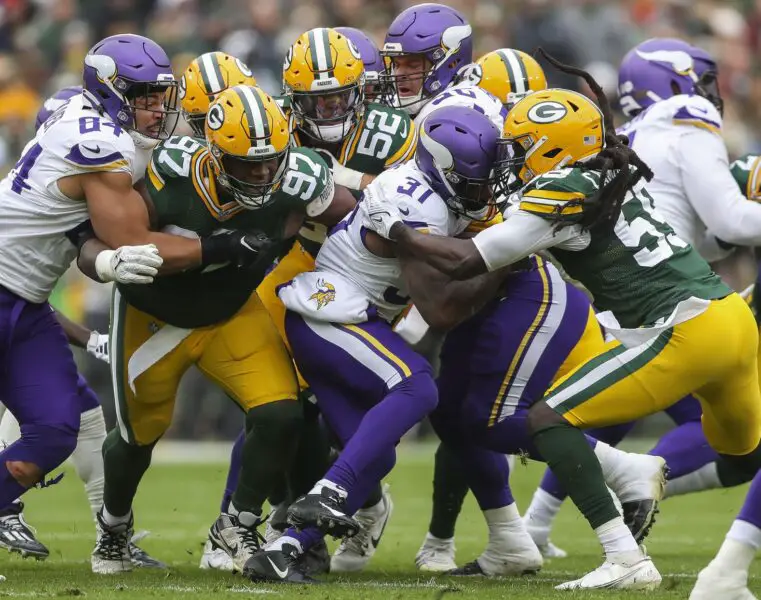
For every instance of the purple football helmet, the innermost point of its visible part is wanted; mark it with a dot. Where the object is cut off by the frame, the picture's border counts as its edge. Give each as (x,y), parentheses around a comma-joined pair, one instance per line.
(660,68)
(55,102)
(371,57)
(122,73)
(435,32)
(456,152)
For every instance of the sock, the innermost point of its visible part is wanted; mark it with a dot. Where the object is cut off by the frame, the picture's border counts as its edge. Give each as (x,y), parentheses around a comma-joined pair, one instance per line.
(751,510)
(704,478)
(272,437)
(301,540)
(574,463)
(9,427)
(617,541)
(406,404)
(375,497)
(233,471)
(685,449)
(551,486)
(541,514)
(731,473)
(739,548)
(450,486)
(88,456)
(246,518)
(124,466)
(114,520)
(497,519)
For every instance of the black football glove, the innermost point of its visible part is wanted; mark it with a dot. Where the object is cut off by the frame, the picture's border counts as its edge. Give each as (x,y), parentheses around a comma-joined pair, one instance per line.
(241,248)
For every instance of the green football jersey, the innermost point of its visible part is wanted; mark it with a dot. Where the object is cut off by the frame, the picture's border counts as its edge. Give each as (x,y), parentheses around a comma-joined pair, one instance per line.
(747,173)
(188,201)
(383,138)
(640,270)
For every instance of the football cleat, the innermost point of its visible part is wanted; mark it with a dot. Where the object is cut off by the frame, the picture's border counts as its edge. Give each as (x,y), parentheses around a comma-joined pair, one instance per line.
(316,560)
(640,575)
(238,541)
(510,552)
(436,555)
(639,485)
(355,552)
(276,566)
(277,522)
(714,583)
(112,554)
(140,558)
(326,511)
(16,535)
(215,558)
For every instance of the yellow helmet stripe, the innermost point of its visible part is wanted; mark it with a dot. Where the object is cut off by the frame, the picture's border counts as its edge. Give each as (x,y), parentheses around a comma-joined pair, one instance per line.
(516,71)
(319,47)
(258,126)
(212,76)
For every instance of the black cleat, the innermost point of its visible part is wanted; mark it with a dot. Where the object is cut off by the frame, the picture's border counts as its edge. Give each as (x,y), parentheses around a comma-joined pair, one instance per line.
(140,558)
(471,569)
(639,517)
(16,535)
(326,511)
(277,566)
(316,560)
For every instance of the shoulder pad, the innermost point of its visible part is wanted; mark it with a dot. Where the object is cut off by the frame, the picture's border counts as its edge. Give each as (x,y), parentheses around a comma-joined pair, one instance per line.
(694,111)
(307,180)
(92,143)
(559,193)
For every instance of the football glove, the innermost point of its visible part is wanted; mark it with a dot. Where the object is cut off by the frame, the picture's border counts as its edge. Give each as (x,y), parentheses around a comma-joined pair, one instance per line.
(129,264)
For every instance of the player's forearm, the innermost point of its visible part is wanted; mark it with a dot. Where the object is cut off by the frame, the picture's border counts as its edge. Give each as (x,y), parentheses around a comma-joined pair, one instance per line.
(77,334)
(459,259)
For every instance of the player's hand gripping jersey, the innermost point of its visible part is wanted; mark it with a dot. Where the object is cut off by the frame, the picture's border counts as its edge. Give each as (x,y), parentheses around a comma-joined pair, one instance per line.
(76,139)
(355,278)
(188,202)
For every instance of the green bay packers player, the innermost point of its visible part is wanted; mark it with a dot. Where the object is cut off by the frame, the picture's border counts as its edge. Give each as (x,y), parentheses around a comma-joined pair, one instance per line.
(324,83)
(583,200)
(246,178)
(206,76)
(508,74)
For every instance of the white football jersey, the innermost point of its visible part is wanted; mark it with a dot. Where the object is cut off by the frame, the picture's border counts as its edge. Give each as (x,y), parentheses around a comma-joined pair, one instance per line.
(36,217)
(344,251)
(680,140)
(468,95)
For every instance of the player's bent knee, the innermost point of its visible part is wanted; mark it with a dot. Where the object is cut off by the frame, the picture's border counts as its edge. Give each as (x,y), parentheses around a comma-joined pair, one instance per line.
(274,419)
(422,390)
(43,446)
(26,473)
(541,416)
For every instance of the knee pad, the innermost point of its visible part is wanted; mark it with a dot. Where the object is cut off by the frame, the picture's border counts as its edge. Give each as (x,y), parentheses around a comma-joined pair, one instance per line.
(43,445)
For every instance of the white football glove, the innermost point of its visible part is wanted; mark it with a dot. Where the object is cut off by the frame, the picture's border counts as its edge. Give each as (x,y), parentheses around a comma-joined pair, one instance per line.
(129,264)
(348,178)
(380,214)
(97,345)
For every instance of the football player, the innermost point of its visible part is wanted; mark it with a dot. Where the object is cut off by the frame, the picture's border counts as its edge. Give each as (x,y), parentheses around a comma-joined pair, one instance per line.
(245,177)
(75,175)
(508,75)
(659,298)
(371,59)
(324,82)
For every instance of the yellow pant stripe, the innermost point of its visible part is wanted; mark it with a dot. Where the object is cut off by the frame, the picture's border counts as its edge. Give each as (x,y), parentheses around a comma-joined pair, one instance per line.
(380,348)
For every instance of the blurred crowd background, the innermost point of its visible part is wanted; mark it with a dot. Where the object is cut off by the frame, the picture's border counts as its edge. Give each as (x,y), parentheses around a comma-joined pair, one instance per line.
(43,43)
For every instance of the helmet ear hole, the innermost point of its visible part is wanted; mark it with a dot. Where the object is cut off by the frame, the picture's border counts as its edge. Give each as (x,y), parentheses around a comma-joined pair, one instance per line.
(553,153)
(575,107)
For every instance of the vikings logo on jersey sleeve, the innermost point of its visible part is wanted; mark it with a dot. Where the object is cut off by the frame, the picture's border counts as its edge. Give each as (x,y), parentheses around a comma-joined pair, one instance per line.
(325,294)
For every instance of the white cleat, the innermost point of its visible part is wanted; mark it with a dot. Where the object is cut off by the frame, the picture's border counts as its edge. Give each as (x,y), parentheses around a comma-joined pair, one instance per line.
(541,536)
(641,575)
(713,584)
(436,555)
(112,553)
(550,551)
(510,552)
(355,552)
(215,558)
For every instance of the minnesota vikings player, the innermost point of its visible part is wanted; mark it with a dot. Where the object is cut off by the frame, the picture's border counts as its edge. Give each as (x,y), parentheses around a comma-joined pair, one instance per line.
(427,46)
(662,302)
(371,58)
(16,535)
(339,322)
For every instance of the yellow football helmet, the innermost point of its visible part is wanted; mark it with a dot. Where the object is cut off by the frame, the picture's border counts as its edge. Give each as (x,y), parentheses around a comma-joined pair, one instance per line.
(547,130)
(324,76)
(508,74)
(249,139)
(204,78)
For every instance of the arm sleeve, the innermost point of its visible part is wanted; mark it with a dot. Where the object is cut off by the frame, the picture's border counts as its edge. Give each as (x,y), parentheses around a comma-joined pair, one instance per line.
(517,237)
(713,192)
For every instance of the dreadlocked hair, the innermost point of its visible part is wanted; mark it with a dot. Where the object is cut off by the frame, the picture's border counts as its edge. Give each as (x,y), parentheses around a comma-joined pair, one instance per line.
(619,167)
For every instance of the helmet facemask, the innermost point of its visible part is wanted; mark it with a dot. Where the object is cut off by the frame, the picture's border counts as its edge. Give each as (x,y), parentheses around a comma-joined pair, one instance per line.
(251,180)
(153,110)
(330,115)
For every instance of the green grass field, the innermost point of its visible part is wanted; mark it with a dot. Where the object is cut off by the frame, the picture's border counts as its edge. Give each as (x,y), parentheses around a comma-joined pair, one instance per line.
(178,502)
